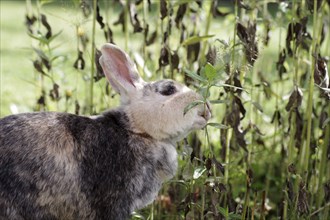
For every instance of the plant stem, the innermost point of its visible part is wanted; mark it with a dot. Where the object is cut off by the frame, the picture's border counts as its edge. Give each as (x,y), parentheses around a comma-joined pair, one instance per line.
(126,15)
(91,85)
(207,28)
(323,164)
(311,91)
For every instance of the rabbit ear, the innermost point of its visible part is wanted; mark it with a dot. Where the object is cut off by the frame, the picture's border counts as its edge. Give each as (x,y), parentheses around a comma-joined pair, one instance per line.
(120,71)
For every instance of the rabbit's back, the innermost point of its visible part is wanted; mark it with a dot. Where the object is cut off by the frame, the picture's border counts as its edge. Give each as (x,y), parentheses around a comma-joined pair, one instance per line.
(40,168)
(62,166)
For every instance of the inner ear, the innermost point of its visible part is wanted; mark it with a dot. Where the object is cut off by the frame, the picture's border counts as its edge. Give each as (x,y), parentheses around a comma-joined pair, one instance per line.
(120,65)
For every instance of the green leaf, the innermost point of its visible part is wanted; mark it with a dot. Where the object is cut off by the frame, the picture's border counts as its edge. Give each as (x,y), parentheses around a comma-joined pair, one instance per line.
(210,72)
(136,215)
(195,39)
(195,76)
(258,106)
(44,2)
(198,172)
(187,171)
(191,105)
(181,2)
(218,125)
(234,216)
(44,40)
(223,212)
(326,121)
(227,85)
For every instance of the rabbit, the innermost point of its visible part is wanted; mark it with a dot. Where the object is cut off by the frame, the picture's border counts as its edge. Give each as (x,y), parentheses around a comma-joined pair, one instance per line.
(64,166)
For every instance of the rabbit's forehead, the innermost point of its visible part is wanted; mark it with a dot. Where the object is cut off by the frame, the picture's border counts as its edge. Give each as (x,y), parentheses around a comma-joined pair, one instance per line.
(164,84)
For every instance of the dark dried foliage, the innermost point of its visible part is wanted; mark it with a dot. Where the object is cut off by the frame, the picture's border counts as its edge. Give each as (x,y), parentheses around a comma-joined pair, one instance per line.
(297,32)
(29,21)
(44,22)
(54,93)
(292,169)
(234,81)
(277,117)
(152,38)
(211,56)
(289,188)
(163,9)
(280,63)
(310,5)
(248,37)
(121,20)
(327,192)
(76,107)
(134,19)
(180,14)
(80,62)
(295,99)
(99,70)
(321,76)
(108,33)
(215,11)
(38,65)
(302,205)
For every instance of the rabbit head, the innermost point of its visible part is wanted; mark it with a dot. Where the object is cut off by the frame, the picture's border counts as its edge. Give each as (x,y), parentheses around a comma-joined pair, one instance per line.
(153,108)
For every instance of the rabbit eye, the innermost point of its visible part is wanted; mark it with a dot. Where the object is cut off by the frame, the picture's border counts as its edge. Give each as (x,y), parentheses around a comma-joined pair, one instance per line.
(168,90)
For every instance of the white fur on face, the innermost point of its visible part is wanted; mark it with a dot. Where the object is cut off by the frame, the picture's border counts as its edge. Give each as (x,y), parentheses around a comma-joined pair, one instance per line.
(162,117)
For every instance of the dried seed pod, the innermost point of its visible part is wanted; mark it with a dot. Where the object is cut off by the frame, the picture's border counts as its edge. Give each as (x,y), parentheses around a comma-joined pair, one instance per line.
(44,22)
(99,18)
(295,99)
(29,21)
(249,174)
(77,107)
(54,93)
(247,35)
(292,169)
(80,62)
(208,163)
(277,117)
(163,9)
(180,14)
(280,63)
(39,66)
(175,60)
(321,76)
(108,34)
(134,19)
(297,32)
(222,188)
(121,20)
(99,70)
(211,55)
(218,165)
(215,11)
(164,57)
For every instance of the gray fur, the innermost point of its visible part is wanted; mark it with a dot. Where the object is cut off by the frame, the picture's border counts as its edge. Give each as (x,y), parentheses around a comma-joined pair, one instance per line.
(64,166)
